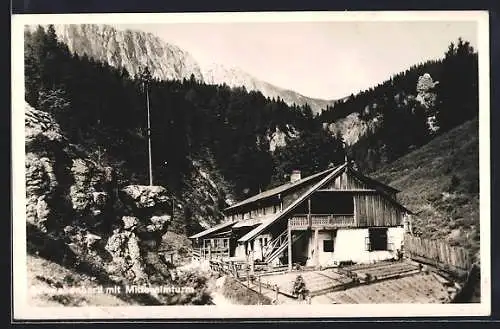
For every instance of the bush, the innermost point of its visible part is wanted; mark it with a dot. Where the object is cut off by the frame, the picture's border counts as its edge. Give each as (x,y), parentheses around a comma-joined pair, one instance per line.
(200,295)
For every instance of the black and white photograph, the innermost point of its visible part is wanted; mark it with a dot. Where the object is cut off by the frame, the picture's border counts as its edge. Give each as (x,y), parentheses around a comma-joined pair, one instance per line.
(243,165)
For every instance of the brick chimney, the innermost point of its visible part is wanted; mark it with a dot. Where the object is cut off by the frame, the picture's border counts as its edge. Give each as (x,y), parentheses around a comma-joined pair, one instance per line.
(295,176)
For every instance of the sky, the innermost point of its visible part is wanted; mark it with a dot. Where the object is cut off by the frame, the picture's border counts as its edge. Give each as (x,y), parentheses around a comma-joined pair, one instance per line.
(326,60)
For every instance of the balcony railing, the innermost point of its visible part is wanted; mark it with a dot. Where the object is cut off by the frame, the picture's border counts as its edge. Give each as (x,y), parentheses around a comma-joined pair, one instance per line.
(321,220)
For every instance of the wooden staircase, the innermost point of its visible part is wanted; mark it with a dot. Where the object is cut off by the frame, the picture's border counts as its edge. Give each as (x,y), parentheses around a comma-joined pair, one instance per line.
(274,248)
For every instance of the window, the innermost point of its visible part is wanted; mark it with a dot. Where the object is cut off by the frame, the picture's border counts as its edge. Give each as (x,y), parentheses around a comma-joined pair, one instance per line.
(377,238)
(328,245)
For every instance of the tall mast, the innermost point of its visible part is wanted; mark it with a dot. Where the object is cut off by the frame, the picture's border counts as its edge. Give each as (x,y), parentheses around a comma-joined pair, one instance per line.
(146,78)
(149,140)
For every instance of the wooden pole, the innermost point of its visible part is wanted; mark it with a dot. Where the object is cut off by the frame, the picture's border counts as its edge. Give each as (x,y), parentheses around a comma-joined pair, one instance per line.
(289,249)
(316,253)
(276,293)
(149,136)
(248,278)
(252,262)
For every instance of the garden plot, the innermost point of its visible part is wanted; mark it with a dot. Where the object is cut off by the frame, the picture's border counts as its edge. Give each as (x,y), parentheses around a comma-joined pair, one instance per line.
(385,270)
(418,288)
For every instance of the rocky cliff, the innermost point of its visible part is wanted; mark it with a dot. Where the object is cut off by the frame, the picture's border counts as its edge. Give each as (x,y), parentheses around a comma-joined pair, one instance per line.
(129,49)
(78,217)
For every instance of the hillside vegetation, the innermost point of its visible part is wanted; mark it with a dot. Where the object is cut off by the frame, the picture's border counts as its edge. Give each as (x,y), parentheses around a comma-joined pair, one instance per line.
(406,111)
(439,182)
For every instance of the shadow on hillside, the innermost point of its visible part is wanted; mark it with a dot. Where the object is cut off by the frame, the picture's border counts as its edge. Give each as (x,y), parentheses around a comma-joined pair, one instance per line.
(471,291)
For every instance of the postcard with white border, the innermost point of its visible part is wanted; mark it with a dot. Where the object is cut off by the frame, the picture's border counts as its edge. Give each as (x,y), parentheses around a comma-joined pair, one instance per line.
(251,165)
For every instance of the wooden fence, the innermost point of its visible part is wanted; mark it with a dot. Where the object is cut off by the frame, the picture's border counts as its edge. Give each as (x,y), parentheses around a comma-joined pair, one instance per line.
(437,252)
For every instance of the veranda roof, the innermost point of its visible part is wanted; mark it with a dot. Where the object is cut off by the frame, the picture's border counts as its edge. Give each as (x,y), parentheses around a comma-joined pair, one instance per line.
(212,229)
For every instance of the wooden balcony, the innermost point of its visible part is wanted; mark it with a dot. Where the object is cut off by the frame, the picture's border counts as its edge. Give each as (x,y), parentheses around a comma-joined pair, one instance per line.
(321,221)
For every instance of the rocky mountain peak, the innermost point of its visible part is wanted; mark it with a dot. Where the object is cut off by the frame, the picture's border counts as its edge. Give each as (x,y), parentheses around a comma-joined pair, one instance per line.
(134,49)
(129,49)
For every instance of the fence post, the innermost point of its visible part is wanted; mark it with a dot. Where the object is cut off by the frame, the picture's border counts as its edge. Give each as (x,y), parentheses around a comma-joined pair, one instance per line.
(276,289)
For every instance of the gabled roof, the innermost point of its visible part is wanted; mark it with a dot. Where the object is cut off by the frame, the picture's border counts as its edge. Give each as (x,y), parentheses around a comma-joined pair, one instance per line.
(252,221)
(277,216)
(371,181)
(336,171)
(279,189)
(212,229)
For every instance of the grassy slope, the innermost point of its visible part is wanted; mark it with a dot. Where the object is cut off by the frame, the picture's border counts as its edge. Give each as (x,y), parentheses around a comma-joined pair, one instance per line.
(440,183)
(43,274)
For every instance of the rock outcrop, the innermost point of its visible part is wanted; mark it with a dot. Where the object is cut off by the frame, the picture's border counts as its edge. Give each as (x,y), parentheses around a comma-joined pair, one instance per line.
(352,127)
(73,199)
(134,244)
(61,186)
(425,90)
(144,197)
(426,95)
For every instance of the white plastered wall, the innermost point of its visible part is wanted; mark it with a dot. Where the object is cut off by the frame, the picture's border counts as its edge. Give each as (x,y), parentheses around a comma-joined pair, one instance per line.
(350,245)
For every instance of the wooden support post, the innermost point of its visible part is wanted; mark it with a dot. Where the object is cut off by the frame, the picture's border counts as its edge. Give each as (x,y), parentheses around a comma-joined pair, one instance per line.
(309,218)
(252,262)
(316,247)
(276,293)
(247,265)
(289,249)
(210,251)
